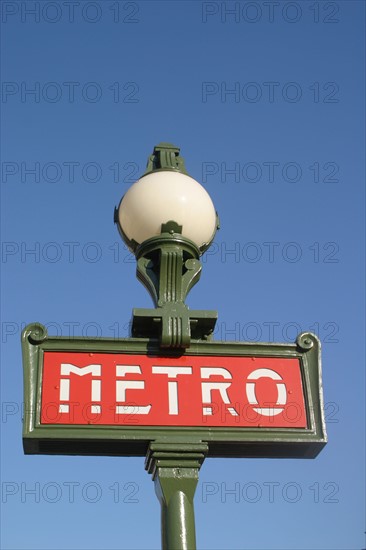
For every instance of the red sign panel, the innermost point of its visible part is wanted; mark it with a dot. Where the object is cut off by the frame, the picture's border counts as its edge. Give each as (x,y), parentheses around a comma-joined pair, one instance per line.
(120,389)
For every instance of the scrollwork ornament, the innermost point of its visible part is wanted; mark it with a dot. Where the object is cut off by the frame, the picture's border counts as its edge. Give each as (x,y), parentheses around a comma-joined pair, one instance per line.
(306,340)
(37,333)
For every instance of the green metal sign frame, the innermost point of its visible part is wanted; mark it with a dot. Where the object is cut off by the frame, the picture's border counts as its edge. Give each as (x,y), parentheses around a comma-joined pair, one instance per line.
(135,440)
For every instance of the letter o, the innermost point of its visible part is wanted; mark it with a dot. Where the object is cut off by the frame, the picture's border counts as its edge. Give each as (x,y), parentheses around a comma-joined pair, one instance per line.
(85,492)
(298,12)
(248,486)
(257,15)
(297,175)
(97,94)
(97,328)
(45,495)
(289,258)
(285,331)
(45,412)
(58,94)
(298,413)
(258,172)
(257,89)
(85,12)
(58,252)
(258,331)
(47,177)
(86,255)
(257,248)
(86,175)
(286,487)
(45,13)
(291,98)
(281,391)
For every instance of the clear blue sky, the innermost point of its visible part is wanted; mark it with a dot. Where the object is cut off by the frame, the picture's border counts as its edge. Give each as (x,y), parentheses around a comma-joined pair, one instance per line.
(272,92)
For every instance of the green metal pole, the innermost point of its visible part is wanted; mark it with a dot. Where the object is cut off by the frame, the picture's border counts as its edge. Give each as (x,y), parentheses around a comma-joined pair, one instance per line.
(174,468)
(175,488)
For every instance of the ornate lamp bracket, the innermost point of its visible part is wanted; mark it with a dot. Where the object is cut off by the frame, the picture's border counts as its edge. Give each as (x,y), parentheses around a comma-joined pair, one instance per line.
(169,266)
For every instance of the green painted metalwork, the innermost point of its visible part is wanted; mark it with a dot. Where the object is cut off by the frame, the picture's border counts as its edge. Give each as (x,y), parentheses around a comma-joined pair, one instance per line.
(168,266)
(134,440)
(165,157)
(174,468)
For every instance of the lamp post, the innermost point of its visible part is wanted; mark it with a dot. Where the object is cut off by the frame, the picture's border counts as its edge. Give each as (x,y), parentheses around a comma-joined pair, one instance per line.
(170,392)
(168,220)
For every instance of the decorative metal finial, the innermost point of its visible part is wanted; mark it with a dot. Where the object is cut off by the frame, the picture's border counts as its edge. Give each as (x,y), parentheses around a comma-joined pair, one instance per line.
(165,157)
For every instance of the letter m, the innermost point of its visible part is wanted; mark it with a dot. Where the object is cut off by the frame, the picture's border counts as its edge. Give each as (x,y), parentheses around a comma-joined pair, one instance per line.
(66,370)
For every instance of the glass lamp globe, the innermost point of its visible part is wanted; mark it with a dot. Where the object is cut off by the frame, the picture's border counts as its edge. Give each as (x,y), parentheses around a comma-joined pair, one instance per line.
(163,196)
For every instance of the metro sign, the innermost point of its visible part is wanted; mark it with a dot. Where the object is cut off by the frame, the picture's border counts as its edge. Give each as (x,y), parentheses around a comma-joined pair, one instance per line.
(105,396)
(117,389)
